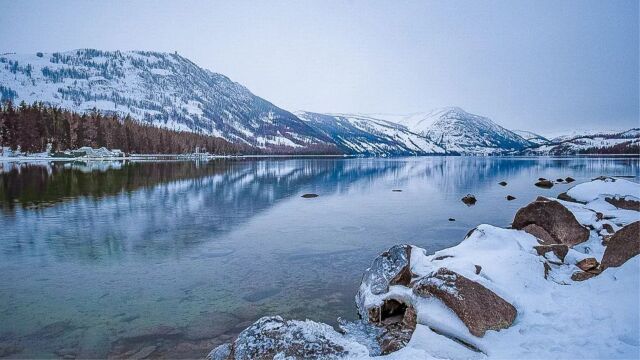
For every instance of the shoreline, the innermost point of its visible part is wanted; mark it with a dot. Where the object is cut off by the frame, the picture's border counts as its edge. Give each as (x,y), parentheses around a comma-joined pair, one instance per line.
(537,289)
(177,157)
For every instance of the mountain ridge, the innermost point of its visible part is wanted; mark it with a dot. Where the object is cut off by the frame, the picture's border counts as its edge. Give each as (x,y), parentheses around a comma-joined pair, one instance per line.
(170,91)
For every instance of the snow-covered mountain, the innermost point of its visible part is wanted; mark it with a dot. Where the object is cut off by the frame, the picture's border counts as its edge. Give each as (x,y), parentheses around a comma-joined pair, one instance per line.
(162,89)
(367,135)
(532,137)
(597,142)
(168,90)
(458,131)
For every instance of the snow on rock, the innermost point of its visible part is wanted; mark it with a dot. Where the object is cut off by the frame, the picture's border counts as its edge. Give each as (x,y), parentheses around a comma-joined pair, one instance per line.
(498,294)
(590,191)
(275,338)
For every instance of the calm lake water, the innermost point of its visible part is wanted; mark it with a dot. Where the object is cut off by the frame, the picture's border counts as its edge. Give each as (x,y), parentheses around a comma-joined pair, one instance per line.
(172,258)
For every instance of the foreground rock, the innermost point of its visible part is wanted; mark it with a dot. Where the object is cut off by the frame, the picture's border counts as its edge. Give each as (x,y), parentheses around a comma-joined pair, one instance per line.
(551,222)
(389,268)
(622,246)
(275,338)
(479,308)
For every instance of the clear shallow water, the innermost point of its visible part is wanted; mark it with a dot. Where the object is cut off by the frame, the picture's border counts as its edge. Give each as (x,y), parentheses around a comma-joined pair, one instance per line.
(106,259)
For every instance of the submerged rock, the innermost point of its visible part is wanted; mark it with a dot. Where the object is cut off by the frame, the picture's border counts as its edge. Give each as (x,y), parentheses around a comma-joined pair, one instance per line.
(624,202)
(569,179)
(309,196)
(503,183)
(479,308)
(544,184)
(469,200)
(272,337)
(452,219)
(622,246)
(558,223)
(510,197)
(396,190)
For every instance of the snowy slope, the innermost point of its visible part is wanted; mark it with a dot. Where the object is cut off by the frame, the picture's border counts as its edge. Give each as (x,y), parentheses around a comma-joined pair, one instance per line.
(532,137)
(366,135)
(600,142)
(459,131)
(162,89)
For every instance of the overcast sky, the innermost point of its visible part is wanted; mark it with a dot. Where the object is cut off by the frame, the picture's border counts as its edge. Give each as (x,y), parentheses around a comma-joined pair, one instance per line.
(547,66)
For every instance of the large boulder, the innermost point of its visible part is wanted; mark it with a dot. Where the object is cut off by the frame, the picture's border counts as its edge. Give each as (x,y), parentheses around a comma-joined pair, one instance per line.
(622,246)
(479,308)
(272,337)
(555,219)
(389,268)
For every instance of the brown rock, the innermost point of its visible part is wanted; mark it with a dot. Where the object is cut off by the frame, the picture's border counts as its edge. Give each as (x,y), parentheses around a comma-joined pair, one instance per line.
(622,246)
(565,197)
(587,264)
(546,184)
(478,269)
(541,234)
(569,179)
(479,308)
(510,197)
(556,220)
(581,276)
(608,228)
(560,251)
(469,200)
(626,203)
(398,330)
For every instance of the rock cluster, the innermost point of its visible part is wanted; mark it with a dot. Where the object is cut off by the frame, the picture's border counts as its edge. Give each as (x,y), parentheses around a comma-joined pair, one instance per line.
(400,281)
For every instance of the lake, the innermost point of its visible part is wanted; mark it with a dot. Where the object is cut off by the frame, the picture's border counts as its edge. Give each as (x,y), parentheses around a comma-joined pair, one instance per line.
(172,258)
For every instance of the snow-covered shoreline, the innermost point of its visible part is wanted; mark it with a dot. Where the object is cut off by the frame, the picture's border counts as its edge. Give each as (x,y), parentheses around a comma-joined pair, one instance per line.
(563,282)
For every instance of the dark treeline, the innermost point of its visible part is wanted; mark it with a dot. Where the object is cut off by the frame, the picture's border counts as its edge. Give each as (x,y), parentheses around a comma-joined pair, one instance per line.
(34,186)
(31,127)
